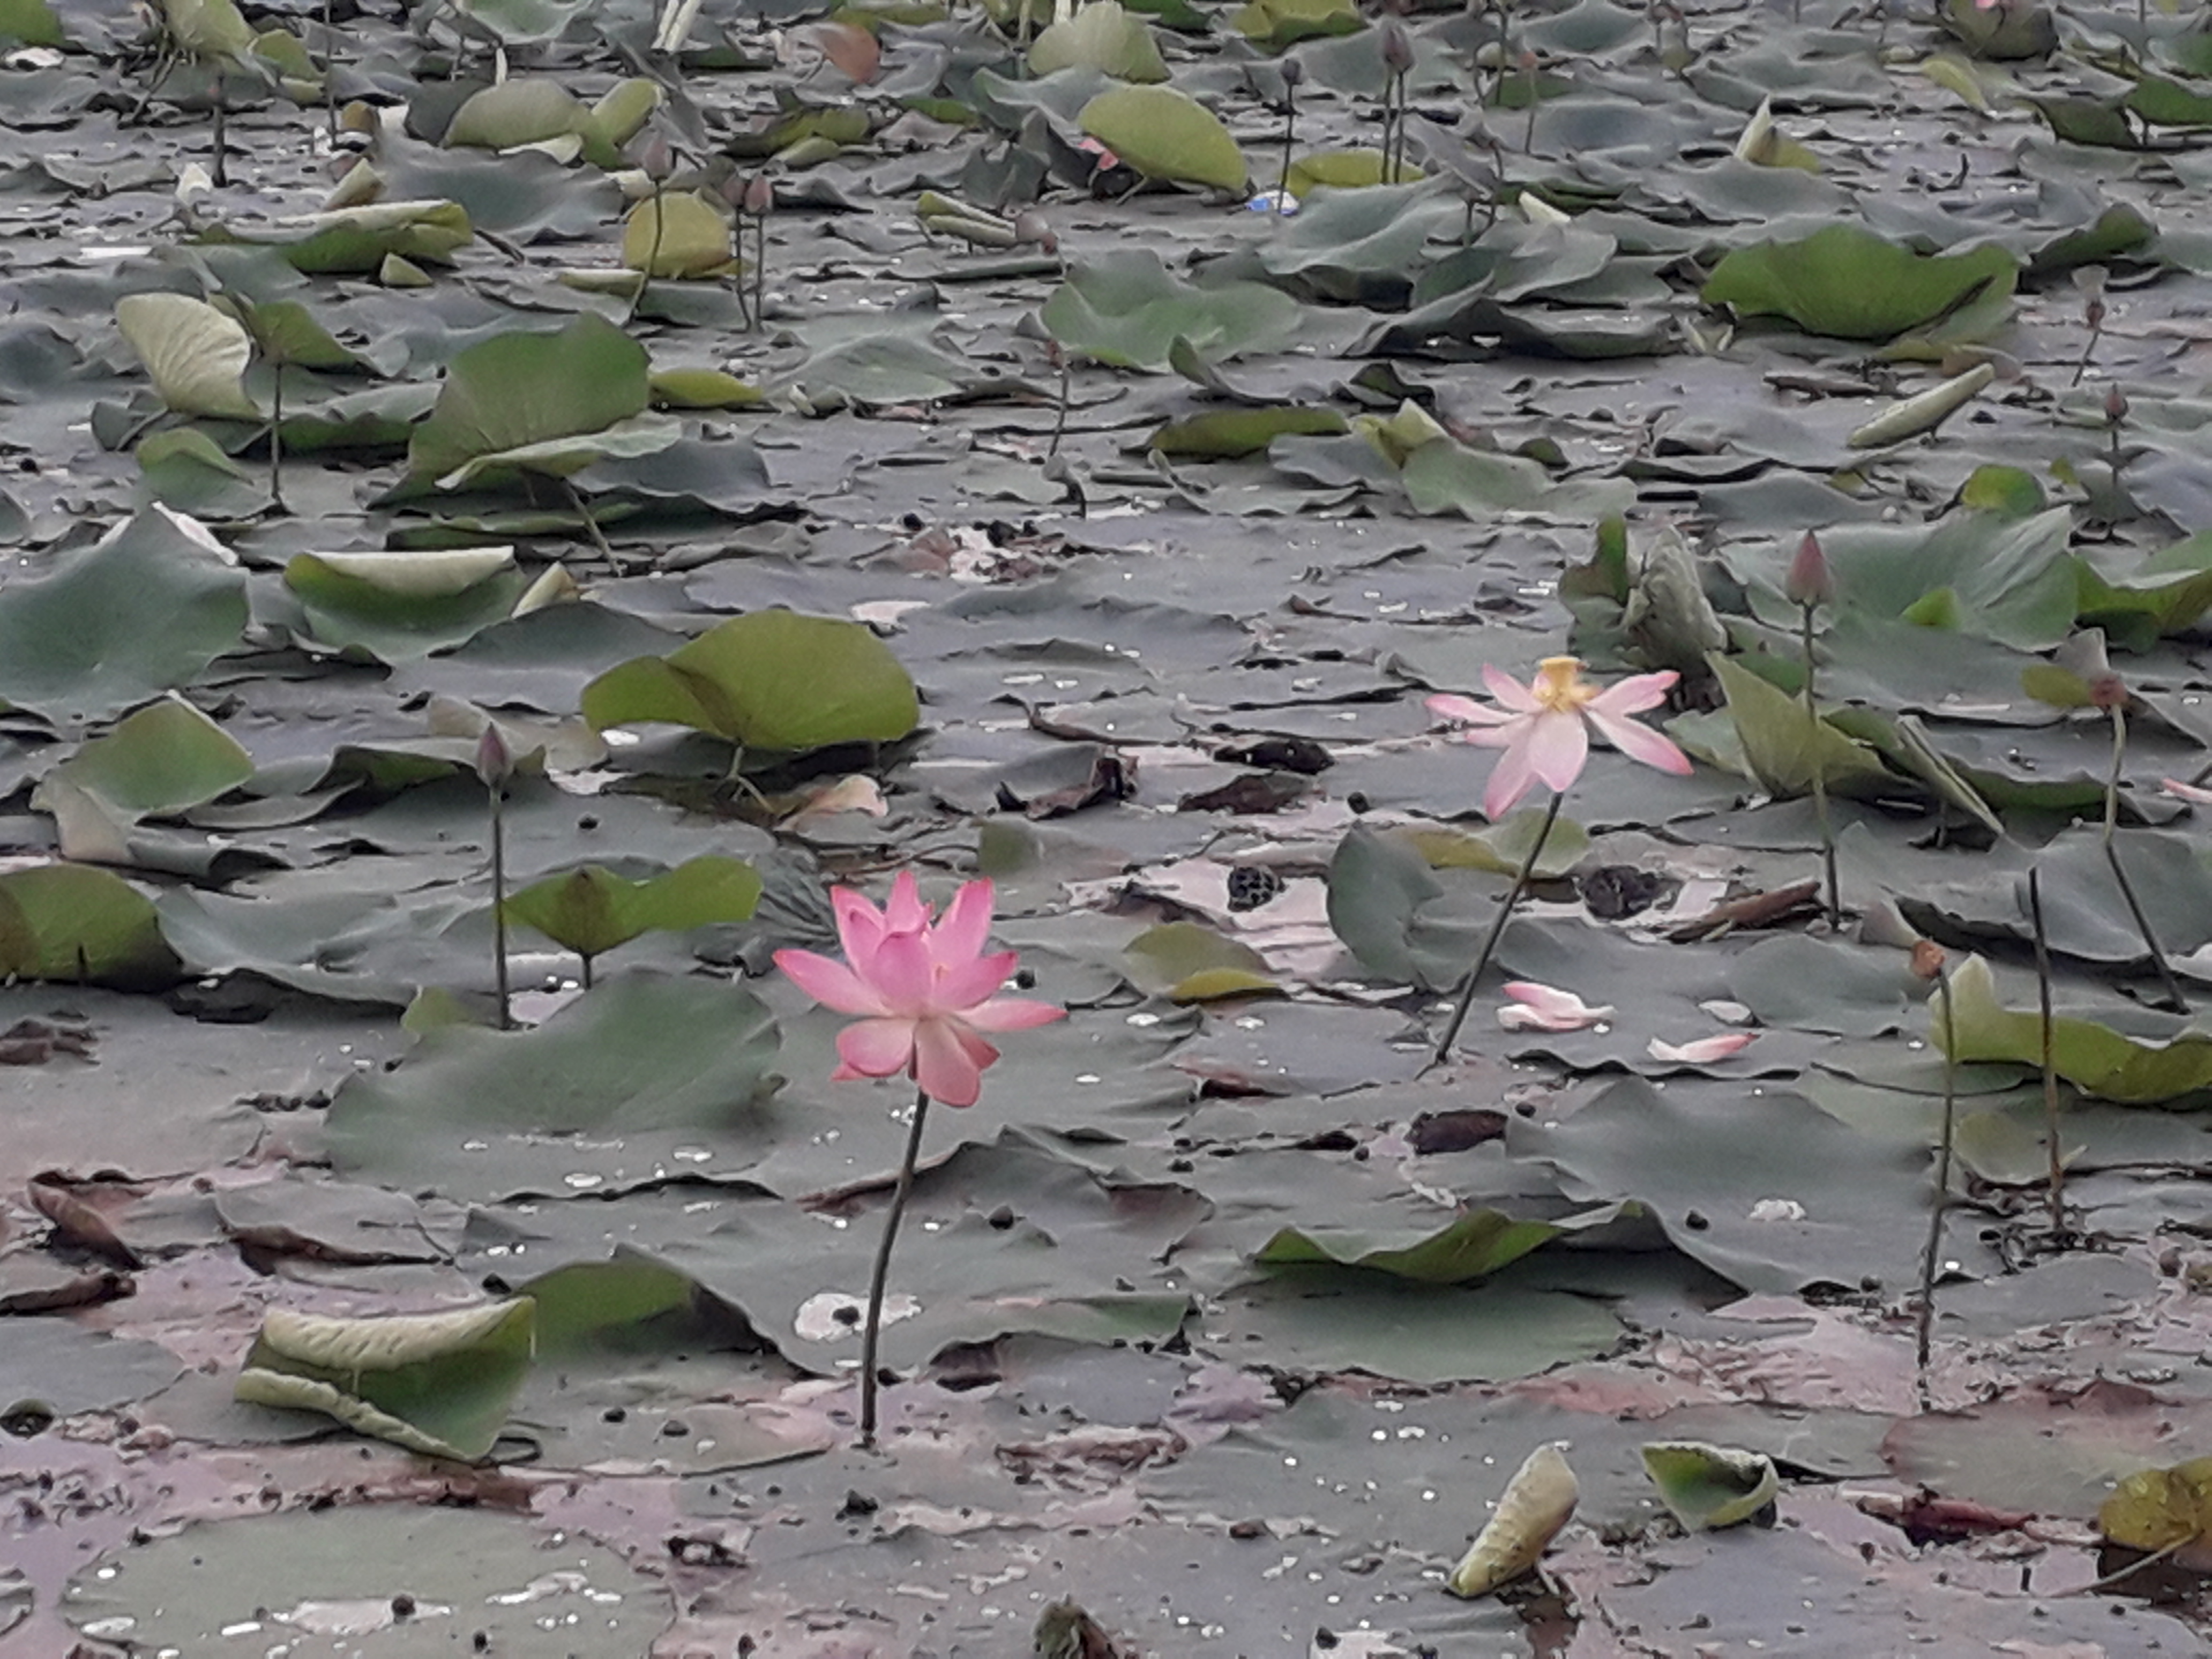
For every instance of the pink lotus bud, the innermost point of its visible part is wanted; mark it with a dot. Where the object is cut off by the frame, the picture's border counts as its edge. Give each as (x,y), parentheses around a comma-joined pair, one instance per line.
(760,195)
(1397,47)
(655,157)
(2116,406)
(493,764)
(1810,581)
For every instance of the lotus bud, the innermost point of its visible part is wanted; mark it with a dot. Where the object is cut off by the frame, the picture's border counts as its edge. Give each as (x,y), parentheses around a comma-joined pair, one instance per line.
(1293,71)
(2093,312)
(760,195)
(1030,225)
(2083,656)
(2116,406)
(1397,47)
(655,157)
(1810,583)
(493,764)
(1927,959)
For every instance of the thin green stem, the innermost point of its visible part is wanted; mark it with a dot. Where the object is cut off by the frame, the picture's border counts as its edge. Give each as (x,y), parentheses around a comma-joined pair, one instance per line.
(276,437)
(1290,137)
(760,271)
(1928,1259)
(1464,994)
(653,257)
(2177,1002)
(499,907)
(1820,780)
(1059,410)
(2057,1191)
(874,1328)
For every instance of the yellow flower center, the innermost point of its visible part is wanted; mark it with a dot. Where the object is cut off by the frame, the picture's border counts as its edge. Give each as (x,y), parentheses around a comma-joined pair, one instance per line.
(1560,686)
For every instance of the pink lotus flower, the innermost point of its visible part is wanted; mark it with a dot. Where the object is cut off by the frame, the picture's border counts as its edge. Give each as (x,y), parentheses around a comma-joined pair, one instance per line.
(925,991)
(1544,727)
(1546,1008)
(1705,1051)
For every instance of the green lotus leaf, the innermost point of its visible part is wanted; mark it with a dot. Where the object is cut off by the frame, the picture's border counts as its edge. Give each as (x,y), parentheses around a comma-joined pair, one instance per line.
(196,354)
(2093,1057)
(1166,134)
(592,910)
(771,680)
(437,1384)
(1708,1487)
(1846,282)
(70,922)
(517,389)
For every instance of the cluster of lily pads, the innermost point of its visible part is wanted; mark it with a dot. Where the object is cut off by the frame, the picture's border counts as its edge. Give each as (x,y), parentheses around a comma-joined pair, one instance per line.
(1962,715)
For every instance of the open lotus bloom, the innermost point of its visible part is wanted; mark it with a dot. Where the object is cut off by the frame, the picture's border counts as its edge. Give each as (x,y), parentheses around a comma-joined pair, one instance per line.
(925,991)
(1705,1051)
(1546,1008)
(1544,727)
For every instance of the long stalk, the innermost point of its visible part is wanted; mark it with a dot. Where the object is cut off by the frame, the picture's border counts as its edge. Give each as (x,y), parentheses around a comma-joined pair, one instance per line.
(874,1328)
(1927,1260)
(276,437)
(2177,1002)
(499,906)
(2057,1191)
(1465,992)
(653,257)
(1820,780)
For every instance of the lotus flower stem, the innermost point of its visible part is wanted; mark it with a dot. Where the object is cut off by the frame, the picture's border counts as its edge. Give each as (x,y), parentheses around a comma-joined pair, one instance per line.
(1289,134)
(1058,354)
(1820,774)
(653,254)
(1928,1259)
(276,436)
(498,790)
(1464,993)
(2057,1191)
(2177,1002)
(874,1328)
(330,80)
(600,542)
(1529,73)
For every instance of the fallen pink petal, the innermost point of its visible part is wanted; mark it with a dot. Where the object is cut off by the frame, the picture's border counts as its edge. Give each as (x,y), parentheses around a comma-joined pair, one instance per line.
(2195,794)
(1705,1051)
(1546,1008)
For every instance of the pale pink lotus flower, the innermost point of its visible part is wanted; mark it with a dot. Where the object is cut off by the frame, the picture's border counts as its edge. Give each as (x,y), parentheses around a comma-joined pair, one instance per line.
(1544,727)
(1538,1008)
(2195,794)
(925,991)
(1705,1051)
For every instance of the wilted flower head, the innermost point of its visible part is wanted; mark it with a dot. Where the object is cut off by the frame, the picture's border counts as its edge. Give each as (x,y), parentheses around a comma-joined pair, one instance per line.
(1543,727)
(925,991)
